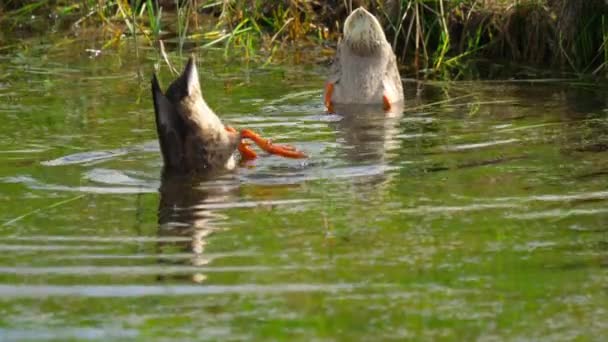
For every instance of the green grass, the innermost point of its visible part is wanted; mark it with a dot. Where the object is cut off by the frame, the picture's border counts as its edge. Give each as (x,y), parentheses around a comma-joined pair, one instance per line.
(430,37)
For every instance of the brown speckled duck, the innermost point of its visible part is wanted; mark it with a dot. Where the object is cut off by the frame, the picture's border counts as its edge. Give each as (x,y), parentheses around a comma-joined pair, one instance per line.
(364,70)
(192,137)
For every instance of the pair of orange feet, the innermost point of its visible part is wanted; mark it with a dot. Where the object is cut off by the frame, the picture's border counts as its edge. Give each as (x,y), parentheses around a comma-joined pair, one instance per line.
(329,91)
(247,153)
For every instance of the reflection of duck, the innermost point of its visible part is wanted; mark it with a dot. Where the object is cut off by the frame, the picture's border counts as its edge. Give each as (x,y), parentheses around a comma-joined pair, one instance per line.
(367,147)
(181,214)
(364,137)
(364,70)
(192,138)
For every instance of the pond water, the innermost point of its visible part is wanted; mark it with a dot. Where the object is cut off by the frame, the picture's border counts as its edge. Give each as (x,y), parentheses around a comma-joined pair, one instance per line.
(479,213)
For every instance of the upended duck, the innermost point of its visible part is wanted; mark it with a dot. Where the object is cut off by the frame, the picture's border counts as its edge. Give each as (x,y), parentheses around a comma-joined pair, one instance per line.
(364,70)
(192,137)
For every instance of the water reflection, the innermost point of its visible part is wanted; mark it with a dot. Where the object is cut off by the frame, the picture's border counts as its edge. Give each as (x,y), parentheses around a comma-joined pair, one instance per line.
(183,212)
(587,129)
(584,99)
(366,132)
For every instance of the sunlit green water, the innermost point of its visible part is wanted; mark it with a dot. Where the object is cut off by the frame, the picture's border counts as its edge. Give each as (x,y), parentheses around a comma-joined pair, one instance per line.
(479,214)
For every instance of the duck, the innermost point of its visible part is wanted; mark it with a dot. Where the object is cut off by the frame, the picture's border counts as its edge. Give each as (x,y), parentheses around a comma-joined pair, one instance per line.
(364,70)
(193,139)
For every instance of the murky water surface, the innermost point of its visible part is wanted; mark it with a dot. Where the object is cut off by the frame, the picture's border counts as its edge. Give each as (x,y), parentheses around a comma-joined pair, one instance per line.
(481,212)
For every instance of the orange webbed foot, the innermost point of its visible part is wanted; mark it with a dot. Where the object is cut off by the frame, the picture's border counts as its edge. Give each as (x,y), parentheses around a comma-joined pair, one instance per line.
(329,91)
(286,151)
(386,103)
(247,153)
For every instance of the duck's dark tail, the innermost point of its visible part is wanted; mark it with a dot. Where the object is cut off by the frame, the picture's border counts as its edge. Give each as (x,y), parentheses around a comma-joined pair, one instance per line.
(169,127)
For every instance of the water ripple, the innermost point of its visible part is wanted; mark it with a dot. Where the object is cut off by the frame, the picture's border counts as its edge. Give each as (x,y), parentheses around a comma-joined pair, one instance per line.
(173,256)
(97,189)
(583,196)
(145,270)
(49,248)
(464,147)
(67,333)
(250,204)
(93,238)
(452,209)
(84,157)
(557,213)
(117,291)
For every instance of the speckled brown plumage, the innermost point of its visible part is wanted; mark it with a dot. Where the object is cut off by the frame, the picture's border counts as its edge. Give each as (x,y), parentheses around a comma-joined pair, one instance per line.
(192,138)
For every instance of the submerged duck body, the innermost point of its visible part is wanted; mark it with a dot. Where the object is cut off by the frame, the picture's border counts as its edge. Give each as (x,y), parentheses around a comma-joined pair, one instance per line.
(364,70)
(192,137)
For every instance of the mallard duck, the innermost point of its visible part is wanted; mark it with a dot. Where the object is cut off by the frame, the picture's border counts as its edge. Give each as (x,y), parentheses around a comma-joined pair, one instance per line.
(364,70)
(192,137)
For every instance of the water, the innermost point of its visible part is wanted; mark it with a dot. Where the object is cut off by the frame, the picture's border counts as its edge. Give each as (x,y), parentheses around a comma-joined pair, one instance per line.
(480,213)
